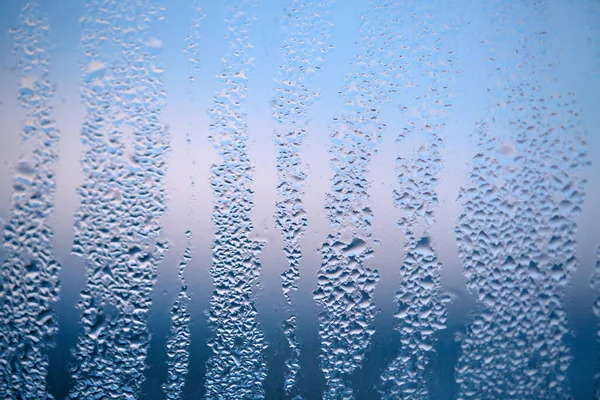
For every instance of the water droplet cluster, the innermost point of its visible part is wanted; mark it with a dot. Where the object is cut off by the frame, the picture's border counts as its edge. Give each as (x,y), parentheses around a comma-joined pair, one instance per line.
(237,367)
(306,29)
(427,60)
(345,283)
(515,237)
(180,337)
(117,229)
(30,271)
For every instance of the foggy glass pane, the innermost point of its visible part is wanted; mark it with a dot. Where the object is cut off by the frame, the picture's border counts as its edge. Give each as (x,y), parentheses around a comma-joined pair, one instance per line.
(297,199)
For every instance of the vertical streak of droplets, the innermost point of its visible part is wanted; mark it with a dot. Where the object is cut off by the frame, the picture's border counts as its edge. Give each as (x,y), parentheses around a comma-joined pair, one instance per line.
(117,230)
(237,367)
(345,283)
(593,16)
(516,237)
(306,29)
(30,284)
(595,284)
(426,70)
(178,343)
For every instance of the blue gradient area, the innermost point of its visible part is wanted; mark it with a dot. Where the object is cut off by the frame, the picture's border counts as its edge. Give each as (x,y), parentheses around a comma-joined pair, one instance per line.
(184,47)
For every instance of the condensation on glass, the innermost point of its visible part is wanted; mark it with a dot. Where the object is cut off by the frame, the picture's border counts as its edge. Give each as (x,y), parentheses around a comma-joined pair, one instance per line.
(388,200)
